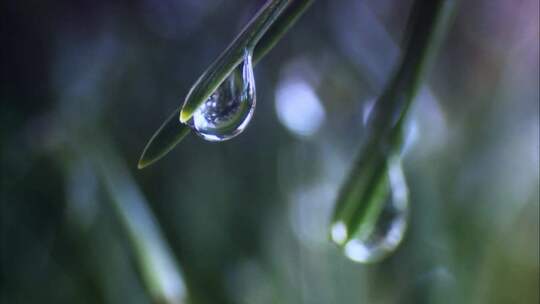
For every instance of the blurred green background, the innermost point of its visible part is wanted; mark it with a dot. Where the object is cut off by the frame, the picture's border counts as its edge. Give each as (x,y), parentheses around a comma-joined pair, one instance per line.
(86,83)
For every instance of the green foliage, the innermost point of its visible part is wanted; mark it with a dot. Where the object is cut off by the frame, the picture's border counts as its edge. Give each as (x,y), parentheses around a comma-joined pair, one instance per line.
(246,221)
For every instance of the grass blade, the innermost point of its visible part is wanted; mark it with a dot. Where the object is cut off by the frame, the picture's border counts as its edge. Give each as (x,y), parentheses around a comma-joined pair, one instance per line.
(427,25)
(166,137)
(172,131)
(160,272)
(231,57)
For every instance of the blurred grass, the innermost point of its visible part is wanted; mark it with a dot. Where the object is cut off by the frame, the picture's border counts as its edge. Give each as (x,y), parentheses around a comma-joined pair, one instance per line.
(359,202)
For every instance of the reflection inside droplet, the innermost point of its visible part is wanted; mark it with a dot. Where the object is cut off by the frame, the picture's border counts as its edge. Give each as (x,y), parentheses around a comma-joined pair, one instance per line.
(227,112)
(338,232)
(373,242)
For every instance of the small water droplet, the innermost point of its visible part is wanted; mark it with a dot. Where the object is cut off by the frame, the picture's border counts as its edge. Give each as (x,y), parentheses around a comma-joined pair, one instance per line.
(230,108)
(376,239)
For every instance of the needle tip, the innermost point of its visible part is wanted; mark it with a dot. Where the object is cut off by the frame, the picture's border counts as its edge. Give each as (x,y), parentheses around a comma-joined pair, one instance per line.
(141,164)
(184,116)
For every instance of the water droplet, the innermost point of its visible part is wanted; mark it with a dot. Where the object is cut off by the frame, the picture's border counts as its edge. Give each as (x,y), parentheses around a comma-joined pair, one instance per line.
(229,109)
(381,233)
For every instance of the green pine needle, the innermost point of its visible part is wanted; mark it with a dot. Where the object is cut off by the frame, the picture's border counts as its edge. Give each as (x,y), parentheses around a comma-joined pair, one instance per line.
(262,33)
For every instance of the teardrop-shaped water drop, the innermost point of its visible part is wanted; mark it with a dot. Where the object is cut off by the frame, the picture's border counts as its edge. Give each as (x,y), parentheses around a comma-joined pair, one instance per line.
(384,225)
(229,109)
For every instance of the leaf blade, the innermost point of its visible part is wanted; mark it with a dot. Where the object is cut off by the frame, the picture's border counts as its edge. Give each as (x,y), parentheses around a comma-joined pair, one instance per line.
(164,139)
(176,131)
(428,23)
(218,71)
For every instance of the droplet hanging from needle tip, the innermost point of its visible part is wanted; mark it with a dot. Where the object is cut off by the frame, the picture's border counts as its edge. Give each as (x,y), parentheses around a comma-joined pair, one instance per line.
(228,111)
(383,225)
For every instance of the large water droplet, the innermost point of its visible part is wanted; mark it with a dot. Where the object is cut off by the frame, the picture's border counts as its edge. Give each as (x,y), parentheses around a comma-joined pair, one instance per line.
(380,233)
(229,109)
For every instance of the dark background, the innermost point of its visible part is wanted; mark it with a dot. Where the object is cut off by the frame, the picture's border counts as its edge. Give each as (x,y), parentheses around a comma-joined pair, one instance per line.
(86,83)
